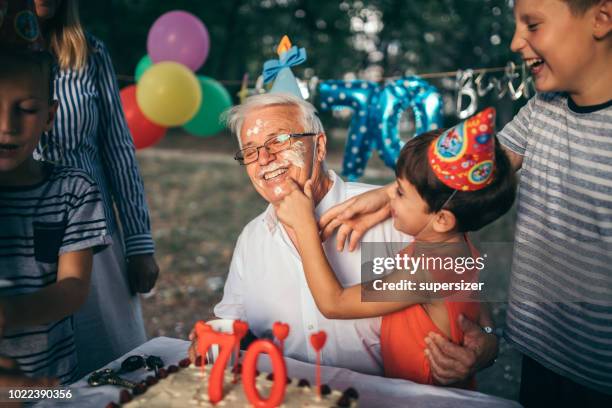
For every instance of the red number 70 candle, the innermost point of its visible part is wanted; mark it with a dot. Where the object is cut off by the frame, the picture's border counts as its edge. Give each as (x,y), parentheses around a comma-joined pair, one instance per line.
(227,342)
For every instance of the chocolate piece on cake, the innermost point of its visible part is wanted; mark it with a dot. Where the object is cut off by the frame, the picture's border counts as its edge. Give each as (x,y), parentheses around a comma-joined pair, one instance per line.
(112,405)
(172,369)
(344,401)
(351,393)
(124,396)
(199,360)
(184,363)
(303,383)
(161,373)
(150,380)
(139,389)
(325,390)
(270,377)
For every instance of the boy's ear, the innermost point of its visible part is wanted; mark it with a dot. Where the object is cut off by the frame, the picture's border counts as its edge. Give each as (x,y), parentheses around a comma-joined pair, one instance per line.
(444,221)
(51,116)
(602,26)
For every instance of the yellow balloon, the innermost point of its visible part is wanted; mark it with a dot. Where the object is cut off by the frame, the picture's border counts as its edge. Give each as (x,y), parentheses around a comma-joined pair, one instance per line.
(169,94)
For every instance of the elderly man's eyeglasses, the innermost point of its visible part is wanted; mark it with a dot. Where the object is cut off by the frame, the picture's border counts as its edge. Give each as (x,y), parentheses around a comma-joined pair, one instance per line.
(273,145)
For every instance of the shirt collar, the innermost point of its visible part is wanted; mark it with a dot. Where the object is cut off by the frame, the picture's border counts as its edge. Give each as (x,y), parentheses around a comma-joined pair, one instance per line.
(335,195)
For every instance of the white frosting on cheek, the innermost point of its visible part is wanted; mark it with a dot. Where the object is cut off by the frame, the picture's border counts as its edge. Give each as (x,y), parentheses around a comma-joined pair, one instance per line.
(278,190)
(295,155)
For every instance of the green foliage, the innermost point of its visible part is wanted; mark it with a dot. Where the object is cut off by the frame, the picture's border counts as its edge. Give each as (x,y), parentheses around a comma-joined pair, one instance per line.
(397,36)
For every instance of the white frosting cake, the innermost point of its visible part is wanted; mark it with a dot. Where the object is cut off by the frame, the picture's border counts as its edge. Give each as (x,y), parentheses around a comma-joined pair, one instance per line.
(189,387)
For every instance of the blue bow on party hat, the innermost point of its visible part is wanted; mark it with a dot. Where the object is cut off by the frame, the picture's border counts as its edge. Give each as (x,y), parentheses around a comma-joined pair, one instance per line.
(279,70)
(292,57)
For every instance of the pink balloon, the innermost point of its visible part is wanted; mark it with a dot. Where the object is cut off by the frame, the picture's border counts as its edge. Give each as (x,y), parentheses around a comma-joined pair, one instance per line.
(181,37)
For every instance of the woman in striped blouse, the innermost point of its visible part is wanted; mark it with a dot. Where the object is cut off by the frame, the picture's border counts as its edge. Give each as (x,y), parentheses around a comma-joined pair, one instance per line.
(90,133)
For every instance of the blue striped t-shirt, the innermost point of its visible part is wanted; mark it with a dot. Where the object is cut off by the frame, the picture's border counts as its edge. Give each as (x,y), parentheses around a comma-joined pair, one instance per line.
(38,223)
(560,305)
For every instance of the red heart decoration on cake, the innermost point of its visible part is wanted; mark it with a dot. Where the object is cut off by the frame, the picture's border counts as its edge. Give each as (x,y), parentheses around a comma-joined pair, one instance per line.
(318,340)
(240,328)
(280,330)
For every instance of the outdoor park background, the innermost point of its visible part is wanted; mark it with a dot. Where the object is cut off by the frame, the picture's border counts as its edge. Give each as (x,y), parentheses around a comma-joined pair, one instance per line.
(200,199)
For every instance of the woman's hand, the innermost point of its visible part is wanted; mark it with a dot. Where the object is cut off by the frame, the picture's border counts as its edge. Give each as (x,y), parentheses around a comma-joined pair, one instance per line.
(142,271)
(356,216)
(296,210)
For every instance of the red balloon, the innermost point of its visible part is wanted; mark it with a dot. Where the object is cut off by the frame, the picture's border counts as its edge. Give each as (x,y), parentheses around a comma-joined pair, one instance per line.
(144,132)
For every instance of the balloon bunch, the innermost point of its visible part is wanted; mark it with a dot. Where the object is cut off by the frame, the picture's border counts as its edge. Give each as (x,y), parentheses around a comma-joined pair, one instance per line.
(167,92)
(376,114)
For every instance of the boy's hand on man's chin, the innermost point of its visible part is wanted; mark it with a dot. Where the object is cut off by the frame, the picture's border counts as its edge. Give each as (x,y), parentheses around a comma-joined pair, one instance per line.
(296,209)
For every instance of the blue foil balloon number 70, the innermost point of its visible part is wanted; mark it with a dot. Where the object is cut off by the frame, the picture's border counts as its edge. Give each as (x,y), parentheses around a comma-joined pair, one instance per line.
(376,115)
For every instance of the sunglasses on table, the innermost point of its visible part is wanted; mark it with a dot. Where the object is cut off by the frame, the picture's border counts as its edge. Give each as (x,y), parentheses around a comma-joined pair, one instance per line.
(136,362)
(273,145)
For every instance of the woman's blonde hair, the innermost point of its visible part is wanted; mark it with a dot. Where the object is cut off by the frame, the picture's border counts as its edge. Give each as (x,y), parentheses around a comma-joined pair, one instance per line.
(67,37)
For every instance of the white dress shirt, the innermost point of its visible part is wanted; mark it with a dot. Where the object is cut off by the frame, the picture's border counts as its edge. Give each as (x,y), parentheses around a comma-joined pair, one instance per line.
(266,283)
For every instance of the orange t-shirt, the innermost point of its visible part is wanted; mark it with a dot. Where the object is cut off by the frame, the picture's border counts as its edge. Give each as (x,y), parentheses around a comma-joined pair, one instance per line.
(403,333)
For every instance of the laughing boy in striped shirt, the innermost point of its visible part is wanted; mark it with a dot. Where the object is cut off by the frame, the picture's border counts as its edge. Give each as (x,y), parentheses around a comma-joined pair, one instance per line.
(560,306)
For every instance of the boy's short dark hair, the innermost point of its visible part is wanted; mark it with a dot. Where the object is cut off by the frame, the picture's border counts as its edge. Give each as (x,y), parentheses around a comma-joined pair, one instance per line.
(579,7)
(472,209)
(41,60)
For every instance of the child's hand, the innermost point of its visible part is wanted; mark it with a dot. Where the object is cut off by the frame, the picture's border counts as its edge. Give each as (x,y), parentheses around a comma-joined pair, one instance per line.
(354,217)
(296,210)
(12,377)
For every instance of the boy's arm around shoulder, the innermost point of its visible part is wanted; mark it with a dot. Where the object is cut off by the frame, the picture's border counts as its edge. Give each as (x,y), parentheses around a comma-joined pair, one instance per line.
(516,160)
(515,135)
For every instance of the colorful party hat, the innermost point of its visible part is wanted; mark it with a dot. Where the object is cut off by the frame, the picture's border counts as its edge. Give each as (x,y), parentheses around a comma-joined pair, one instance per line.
(463,157)
(279,70)
(19,29)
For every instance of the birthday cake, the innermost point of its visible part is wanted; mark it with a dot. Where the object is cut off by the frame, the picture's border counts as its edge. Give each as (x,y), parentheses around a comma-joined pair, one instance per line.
(187,385)
(233,380)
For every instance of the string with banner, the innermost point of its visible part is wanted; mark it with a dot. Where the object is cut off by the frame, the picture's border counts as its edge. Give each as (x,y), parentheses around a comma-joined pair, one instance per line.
(379,105)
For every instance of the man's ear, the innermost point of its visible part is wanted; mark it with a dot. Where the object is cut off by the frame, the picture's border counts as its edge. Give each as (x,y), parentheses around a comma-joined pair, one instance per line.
(602,24)
(321,146)
(51,116)
(444,221)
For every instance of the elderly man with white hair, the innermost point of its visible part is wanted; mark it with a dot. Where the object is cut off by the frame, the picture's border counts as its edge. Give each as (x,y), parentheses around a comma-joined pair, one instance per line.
(282,139)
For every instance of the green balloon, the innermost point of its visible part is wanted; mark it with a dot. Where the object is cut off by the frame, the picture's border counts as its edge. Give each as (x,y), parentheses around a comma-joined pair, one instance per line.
(144,64)
(215,101)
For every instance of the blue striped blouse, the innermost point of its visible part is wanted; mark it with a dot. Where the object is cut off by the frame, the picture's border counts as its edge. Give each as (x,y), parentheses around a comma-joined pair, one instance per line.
(90,133)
